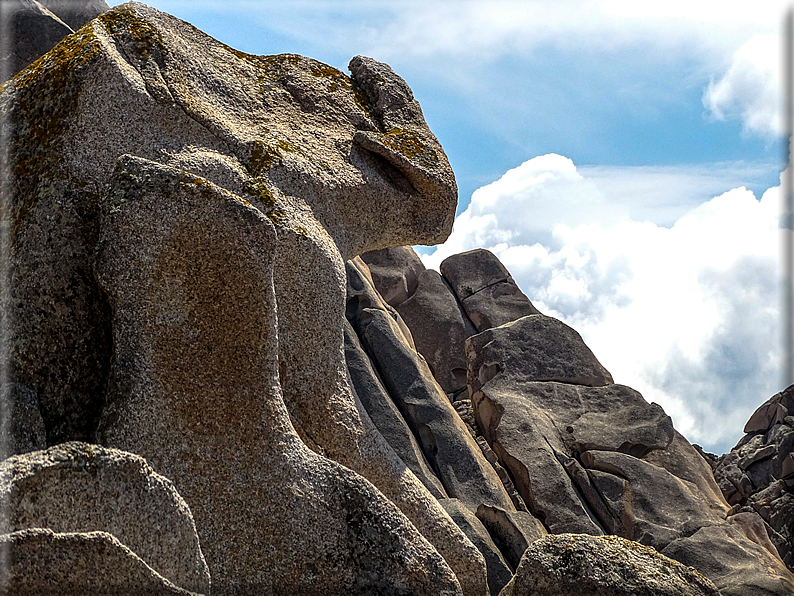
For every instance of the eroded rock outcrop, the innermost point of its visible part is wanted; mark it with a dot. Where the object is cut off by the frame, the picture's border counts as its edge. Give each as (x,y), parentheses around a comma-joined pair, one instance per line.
(284,142)
(189,291)
(757,476)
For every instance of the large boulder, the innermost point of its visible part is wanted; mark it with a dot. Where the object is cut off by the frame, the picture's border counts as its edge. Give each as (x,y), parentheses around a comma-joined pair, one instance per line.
(757,475)
(106,491)
(395,272)
(440,328)
(738,566)
(485,288)
(581,565)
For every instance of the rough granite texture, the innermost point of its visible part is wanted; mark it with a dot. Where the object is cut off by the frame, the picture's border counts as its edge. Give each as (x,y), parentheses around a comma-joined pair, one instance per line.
(109,491)
(41,562)
(395,272)
(581,565)
(188,270)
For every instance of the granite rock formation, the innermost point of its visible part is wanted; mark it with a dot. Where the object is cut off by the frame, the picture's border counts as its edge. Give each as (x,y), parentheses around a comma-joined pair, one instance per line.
(211,318)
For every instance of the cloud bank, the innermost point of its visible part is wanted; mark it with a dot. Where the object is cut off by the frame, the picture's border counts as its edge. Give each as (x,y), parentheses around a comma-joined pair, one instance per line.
(686,313)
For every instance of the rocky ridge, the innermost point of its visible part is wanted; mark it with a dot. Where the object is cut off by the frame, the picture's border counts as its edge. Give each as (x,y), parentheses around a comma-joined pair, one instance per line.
(192,334)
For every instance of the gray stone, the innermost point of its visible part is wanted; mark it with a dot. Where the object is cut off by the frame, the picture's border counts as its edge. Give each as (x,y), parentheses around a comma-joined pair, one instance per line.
(29,31)
(40,562)
(736,565)
(188,269)
(771,412)
(76,13)
(448,446)
(499,573)
(486,290)
(538,348)
(395,272)
(361,293)
(662,508)
(385,415)
(32,28)
(753,475)
(79,487)
(581,565)
(512,531)
(440,327)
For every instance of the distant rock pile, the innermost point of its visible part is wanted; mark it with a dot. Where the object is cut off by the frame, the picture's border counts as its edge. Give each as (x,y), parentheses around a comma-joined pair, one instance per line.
(227,374)
(757,476)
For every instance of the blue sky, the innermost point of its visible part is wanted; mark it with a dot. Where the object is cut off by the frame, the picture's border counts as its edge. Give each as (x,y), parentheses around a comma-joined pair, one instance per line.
(622,159)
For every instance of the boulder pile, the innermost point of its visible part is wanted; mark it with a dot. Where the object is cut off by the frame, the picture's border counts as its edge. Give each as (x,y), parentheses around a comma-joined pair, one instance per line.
(226,372)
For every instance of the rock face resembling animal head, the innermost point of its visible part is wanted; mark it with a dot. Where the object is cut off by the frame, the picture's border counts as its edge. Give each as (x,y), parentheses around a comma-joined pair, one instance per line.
(322,155)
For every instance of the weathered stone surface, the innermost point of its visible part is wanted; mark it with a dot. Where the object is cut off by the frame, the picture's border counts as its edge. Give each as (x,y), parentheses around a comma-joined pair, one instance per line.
(531,427)
(29,30)
(395,272)
(771,412)
(453,453)
(499,573)
(538,348)
(40,562)
(79,487)
(512,531)
(361,294)
(22,427)
(581,565)
(440,327)
(736,565)
(662,507)
(187,267)
(485,289)
(683,461)
(385,415)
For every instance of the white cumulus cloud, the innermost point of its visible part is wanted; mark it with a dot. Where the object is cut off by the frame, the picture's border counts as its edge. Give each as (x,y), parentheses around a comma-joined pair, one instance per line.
(750,89)
(687,314)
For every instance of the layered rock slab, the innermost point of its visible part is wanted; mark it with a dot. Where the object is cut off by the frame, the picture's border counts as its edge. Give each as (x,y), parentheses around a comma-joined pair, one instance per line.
(581,565)
(440,327)
(188,270)
(453,453)
(106,491)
